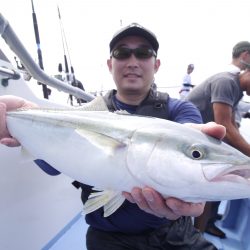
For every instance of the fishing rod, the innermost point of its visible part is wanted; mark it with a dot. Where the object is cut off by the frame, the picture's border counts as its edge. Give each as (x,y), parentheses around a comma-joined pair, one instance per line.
(14,43)
(46,91)
(70,76)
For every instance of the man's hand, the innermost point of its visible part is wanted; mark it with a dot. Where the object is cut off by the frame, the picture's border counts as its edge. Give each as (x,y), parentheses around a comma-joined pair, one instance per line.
(171,208)
(8,103)
(211,128)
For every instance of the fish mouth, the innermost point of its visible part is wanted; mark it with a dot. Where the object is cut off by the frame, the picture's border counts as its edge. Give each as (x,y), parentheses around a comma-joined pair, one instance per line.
(229,173)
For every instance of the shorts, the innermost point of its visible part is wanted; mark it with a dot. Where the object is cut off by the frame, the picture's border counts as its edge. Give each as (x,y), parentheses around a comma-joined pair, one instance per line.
(179,235)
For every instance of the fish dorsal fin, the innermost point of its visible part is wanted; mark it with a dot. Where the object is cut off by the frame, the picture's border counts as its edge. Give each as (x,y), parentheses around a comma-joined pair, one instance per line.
(110,200)
(106,143)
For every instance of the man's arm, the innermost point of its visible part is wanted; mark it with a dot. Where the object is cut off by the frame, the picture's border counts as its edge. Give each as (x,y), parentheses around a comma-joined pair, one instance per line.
(223,115)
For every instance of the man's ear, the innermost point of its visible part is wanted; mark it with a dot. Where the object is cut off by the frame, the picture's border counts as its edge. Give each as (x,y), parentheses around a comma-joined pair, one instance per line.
(157,64)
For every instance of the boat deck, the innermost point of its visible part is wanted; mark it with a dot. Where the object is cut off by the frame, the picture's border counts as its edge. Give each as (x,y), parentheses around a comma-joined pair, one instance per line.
(71,237)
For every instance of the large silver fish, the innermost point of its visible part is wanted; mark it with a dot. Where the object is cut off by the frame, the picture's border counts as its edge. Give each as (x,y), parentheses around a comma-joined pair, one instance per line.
(116,152)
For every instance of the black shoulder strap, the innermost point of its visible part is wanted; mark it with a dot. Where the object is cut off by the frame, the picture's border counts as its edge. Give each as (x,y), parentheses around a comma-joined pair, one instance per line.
(109,100)
(155,104)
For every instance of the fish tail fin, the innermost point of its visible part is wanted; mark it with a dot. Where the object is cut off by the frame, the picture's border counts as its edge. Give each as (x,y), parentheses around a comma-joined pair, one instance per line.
(110,200)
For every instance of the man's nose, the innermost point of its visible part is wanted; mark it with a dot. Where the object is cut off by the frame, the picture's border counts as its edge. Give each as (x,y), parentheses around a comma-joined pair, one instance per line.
(132,60)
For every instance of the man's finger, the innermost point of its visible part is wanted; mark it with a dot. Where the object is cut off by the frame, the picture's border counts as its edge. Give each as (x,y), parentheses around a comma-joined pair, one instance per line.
(3,128)
(211,128)
(10,142)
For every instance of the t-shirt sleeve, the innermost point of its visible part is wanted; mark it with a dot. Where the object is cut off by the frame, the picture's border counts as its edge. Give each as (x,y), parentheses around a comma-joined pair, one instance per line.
(223,91)
(183,112)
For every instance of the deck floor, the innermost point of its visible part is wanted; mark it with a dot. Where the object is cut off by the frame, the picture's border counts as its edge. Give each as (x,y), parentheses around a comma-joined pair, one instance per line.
(73,237)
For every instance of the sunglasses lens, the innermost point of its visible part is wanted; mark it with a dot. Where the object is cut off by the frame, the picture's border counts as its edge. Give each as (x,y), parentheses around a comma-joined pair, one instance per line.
(140,53)
(121,53)
(143,53)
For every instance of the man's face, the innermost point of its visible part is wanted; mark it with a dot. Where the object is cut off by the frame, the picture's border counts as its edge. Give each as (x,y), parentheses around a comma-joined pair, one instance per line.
(133,74)
(245,81)
(245,56)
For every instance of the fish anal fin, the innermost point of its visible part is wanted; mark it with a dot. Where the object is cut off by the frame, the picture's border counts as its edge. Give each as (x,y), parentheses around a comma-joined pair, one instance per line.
(113,204)
(110,200)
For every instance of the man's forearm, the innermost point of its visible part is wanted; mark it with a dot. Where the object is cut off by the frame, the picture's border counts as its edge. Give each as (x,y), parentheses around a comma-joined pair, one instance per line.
(235,139)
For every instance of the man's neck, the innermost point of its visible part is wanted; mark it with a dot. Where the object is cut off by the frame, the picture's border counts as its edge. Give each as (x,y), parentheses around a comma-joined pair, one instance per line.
(238,63)
(131,99)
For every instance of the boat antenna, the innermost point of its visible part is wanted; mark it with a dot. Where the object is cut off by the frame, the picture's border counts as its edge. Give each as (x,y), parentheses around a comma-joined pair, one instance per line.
(46,91)
(70,76)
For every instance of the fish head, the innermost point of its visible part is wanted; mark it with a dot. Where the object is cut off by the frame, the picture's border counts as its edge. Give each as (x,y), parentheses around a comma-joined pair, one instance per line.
(193,166)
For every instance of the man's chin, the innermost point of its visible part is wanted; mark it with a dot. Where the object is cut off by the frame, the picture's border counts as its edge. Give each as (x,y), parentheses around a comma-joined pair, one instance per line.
(132,86)
(132,90)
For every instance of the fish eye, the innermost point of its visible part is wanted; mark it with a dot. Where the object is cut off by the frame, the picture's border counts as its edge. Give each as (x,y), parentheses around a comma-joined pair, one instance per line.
(196,152)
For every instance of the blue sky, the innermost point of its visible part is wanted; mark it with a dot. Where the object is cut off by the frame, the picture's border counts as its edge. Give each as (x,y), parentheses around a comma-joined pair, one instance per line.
(202,32)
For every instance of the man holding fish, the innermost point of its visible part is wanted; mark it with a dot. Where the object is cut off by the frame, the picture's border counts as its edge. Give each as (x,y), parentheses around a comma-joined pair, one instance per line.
(145,220)
(217,98)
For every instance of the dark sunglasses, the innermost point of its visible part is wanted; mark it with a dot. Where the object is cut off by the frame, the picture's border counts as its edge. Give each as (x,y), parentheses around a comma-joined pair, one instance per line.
(139,53)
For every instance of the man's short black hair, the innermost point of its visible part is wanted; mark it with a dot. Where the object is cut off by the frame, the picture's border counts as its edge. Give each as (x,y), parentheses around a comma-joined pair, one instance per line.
(240,47)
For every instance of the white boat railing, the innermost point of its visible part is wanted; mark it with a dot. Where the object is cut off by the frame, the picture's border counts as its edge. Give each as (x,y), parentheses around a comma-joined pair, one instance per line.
(34,70)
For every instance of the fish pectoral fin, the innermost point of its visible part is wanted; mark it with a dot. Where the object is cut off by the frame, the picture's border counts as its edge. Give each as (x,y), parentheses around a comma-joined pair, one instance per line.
(102,141)
(110,200)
